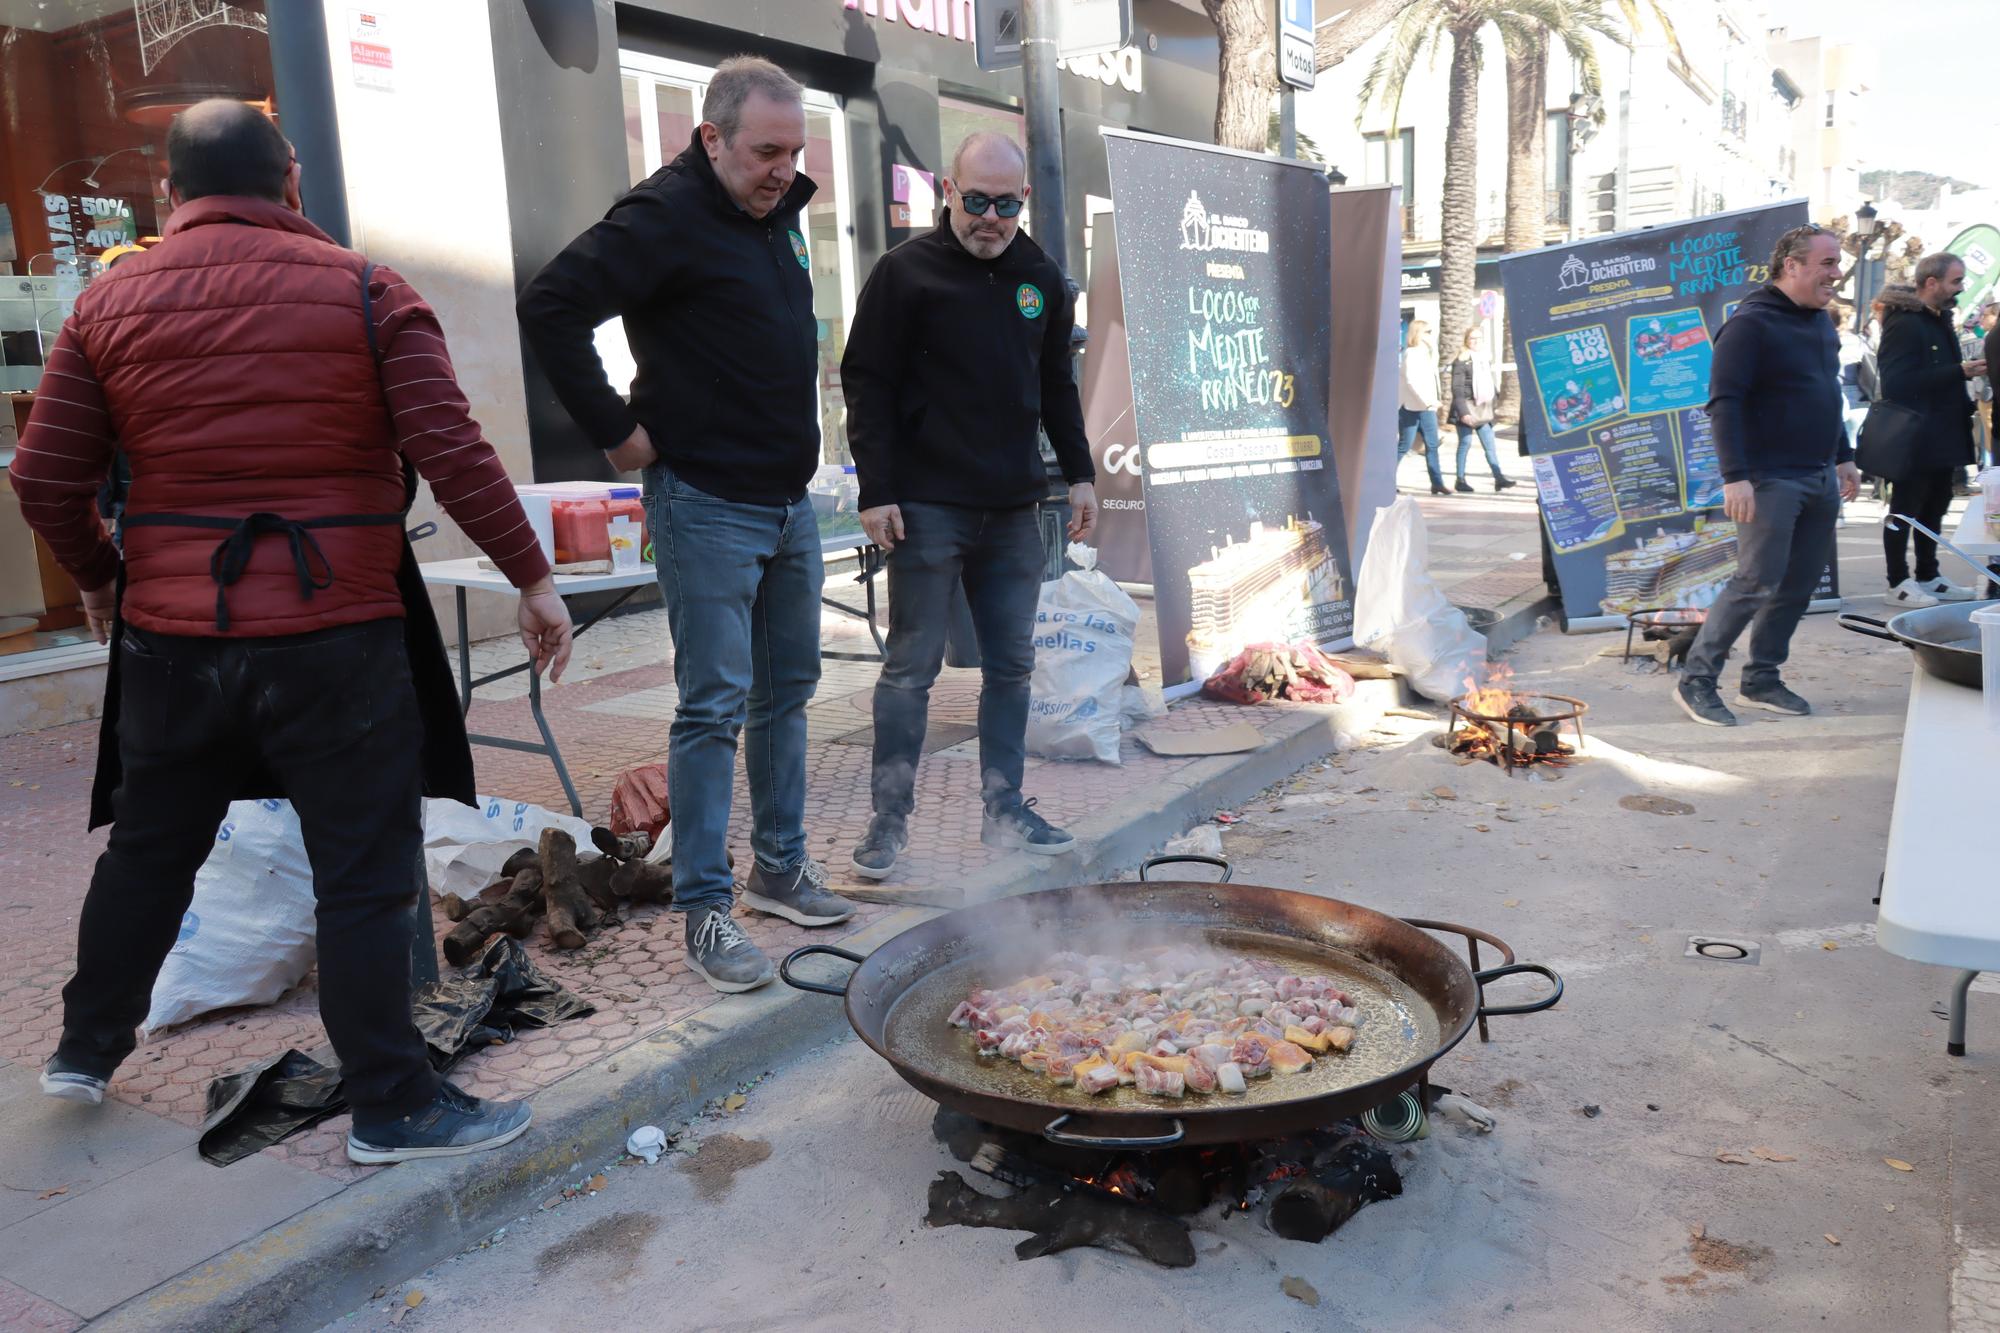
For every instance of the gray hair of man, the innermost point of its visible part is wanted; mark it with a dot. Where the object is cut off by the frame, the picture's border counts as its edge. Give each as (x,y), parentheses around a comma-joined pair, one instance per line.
(1936,267)
(980,139)
(735,79)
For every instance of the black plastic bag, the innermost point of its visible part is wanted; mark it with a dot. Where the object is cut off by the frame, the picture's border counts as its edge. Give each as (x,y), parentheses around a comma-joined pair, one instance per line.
(484,1005)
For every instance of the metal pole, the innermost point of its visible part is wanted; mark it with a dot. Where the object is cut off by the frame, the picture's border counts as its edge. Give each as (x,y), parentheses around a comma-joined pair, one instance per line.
(1288,122)
(303,75)
(1042,102)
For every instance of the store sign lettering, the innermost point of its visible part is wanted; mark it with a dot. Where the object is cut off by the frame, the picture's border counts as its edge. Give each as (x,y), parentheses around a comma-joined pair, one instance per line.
(954,19)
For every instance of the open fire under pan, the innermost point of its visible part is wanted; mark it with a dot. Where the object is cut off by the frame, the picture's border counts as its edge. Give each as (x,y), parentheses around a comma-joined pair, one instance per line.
(1529,731)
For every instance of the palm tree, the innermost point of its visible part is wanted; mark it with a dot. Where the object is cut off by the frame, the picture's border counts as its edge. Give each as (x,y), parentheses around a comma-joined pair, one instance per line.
(1246,61)
(1427,25)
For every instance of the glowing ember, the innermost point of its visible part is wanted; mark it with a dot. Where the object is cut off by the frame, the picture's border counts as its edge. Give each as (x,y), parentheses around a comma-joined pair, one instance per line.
(1504,726)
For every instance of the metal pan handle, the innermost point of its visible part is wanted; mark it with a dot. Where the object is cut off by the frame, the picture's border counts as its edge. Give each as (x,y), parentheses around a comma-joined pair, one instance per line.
(1533,1006)
(1055,1133)
(785,969)
(1873,628)
(1228,871)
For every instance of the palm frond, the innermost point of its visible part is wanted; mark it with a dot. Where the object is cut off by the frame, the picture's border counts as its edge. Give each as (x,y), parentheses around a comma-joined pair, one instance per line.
(1634,19)
(1416,28)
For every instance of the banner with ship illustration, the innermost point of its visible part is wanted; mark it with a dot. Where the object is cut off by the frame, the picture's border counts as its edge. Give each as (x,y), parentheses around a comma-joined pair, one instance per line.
(1614,336)
(1222,260)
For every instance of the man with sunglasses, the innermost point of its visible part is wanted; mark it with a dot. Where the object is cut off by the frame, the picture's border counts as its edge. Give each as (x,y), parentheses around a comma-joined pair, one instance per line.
(959,357)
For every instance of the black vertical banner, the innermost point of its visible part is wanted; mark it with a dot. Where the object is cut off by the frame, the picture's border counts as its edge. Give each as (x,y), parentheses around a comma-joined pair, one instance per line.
(1615,338)
(1222,260)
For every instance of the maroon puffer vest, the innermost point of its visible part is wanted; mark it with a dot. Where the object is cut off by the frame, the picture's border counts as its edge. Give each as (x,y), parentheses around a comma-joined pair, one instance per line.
(236,364)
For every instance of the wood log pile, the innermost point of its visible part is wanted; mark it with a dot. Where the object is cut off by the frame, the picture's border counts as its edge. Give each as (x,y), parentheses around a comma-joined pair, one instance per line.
(550,883)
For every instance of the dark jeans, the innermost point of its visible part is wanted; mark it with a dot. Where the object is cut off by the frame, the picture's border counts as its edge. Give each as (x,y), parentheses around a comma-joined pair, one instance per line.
(997,555)
(333,717)
(742,583)
(1924,498)
(1408,423)
(1780,554)
(1484,431)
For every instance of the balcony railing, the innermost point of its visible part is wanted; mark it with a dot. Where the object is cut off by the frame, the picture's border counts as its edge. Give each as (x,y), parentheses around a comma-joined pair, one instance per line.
(1555,208)
(1735,116)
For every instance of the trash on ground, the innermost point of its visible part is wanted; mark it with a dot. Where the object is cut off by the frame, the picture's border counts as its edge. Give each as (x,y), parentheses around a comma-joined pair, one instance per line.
(639,801)
(253,1108)
(1898,1164)
(1771,1155)
(1201,840)
(1300,1290)
(1400,611)
(1237,738)
(1452,1106)
(464,847)
(648,1142)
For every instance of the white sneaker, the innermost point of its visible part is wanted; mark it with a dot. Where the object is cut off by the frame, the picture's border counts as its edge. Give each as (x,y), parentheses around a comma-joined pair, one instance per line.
(1946,591)
(1910,594)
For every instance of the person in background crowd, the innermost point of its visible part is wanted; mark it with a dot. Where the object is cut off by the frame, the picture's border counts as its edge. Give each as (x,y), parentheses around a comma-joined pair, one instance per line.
(1774,409)
(1972,347)
(1474,386)
(1922,368)
(1417,403)
(958,358)
(706,262)
(270,633)
(1989,348)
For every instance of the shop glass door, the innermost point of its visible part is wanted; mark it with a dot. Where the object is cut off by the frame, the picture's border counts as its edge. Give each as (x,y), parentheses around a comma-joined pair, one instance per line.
(662,108)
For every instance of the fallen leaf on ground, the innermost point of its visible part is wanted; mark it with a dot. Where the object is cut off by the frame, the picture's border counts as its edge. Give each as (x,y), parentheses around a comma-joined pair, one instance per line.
(414,1299)
(50,1194)
(1832,1239)
(1300,1290)
(598,1181)
(1698,1230)
(1733,1158)
(1770,1156)
(1444,793)
(1655,805)
(1890,1207)
(1481,828)
(1898,1163)
(1828,944)
(734,1102)
(1511,902)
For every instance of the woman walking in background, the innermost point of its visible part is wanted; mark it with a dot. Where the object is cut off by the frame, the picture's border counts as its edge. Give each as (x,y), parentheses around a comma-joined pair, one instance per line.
(1418,402)
(1474,386)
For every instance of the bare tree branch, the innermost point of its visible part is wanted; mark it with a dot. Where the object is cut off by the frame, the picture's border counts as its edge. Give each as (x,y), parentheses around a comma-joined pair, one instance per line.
(1341,37)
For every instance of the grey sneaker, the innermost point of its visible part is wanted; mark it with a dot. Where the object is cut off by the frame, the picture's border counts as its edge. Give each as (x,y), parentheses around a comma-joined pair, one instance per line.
(72,1085)
(718,949)
(876,855)
(1016,826)
(455,1123)
(799,895)
(1773,697)
(1698,699)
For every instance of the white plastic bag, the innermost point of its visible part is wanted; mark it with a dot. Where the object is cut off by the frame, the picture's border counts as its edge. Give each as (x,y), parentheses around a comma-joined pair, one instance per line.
(248,936)
(464,848)
(1400,611)
(1083,653)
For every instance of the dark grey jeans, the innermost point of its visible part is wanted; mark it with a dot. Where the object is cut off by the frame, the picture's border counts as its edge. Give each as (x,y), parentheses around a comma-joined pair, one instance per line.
(997,555)
(1779,556)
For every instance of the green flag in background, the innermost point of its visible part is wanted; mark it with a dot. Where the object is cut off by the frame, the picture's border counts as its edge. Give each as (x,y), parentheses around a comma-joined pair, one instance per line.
(1979,247)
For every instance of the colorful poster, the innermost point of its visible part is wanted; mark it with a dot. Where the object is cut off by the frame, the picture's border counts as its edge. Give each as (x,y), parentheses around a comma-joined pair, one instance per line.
(1577,378)
(1669,355)
(1228,311)
(1645,469)
(1618,335)
(1577,501)
(1701,470)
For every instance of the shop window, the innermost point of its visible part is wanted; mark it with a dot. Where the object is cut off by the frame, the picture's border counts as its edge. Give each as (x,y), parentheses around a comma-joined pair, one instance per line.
(89,87)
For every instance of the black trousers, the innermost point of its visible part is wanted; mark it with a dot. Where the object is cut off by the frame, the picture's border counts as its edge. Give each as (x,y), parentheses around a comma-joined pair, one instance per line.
(1925,498)
(333,718)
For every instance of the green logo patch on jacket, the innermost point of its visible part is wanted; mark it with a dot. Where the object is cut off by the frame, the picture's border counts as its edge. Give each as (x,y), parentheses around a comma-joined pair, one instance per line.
(1028,298)
(799,249)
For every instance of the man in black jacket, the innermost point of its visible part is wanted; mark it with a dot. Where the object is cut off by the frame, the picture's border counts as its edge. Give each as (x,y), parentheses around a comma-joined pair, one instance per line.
(706,262)
(1921,368)
(959,352)
(1775,409)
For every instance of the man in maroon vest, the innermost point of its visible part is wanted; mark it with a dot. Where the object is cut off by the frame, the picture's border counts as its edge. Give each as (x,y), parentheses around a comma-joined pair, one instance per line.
(274,395)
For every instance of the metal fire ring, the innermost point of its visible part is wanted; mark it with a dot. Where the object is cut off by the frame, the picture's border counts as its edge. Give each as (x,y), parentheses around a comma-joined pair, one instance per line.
(1717,950)
(1569,709)
(1661,617)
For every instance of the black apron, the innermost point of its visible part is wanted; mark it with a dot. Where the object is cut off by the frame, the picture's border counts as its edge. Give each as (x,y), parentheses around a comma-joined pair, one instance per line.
(446,754)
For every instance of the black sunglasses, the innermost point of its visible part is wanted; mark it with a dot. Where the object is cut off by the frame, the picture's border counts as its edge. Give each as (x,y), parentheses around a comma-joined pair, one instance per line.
(1007,206)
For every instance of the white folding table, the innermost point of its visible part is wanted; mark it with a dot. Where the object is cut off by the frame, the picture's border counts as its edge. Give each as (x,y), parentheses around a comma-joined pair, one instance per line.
(1938,898)
(1970,537)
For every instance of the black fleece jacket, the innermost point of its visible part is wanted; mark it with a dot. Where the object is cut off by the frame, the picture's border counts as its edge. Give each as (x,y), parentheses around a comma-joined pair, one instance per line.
(718,311)
(951,364)
(1774,400)
(1921,369)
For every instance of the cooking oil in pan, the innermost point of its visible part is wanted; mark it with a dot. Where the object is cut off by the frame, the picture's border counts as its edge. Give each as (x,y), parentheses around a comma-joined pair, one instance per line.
(1397,1027)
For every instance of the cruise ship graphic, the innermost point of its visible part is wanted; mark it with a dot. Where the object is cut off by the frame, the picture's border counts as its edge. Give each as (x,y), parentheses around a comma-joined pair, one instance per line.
(1258,590)
(1683,569)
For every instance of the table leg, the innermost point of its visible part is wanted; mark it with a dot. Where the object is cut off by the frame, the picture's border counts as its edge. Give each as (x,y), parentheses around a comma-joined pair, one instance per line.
(423,945)
(549,740)
(1955,1043)
(464,658)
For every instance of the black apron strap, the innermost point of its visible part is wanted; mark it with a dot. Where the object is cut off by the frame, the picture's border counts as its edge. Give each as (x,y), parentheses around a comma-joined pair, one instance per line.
(232,554)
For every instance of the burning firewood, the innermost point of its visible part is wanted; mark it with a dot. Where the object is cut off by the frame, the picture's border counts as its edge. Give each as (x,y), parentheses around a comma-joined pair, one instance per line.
(1062,1220)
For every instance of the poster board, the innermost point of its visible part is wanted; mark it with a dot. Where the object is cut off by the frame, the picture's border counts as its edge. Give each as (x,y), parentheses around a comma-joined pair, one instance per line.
(1615,339)
(1227,309)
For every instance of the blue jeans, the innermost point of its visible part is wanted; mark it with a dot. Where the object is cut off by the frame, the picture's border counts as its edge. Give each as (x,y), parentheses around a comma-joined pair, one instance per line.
(742,583)
(1779,555)
(1485,433)
(1407,425)
(997,555)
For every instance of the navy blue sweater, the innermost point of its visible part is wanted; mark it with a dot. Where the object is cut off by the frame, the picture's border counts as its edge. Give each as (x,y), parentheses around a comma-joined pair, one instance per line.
(1774,398)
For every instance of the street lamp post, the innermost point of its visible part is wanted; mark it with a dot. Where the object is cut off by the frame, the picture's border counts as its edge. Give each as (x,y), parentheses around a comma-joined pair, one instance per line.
(1866,224)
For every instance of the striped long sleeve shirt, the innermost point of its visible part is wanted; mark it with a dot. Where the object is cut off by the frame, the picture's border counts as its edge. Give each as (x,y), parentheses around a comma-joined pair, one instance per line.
(66,452)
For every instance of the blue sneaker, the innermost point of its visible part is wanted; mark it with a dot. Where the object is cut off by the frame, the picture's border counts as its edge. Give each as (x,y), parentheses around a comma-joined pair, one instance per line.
(72,1085)
(455,1123)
